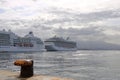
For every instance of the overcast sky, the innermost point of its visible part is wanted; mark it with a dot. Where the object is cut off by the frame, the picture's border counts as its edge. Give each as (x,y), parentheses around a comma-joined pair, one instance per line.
(93,23)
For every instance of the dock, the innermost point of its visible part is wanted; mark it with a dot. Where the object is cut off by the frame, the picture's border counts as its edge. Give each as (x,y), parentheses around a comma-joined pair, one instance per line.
(11,75)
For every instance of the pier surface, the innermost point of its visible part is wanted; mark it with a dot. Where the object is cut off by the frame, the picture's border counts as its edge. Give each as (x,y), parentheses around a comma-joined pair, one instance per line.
(9,75)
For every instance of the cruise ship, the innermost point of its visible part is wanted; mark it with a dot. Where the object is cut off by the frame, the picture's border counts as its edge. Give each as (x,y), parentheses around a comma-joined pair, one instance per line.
(60,44)
(10,42)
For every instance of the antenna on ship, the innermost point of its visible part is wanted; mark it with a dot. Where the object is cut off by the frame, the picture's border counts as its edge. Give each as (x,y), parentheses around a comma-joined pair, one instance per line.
(30,32)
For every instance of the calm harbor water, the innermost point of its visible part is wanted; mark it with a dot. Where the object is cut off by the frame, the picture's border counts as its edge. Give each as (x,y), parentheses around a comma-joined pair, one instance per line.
(79,65)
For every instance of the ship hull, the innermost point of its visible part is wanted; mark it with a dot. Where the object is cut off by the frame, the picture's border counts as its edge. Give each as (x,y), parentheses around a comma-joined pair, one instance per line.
(55,48)
(18,49)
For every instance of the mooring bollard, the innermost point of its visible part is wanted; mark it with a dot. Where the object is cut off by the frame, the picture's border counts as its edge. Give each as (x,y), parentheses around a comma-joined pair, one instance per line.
(26,67)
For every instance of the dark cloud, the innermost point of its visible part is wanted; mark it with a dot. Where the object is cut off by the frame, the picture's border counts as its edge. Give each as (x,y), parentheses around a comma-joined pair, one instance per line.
(24,23)
(84,34)
(78,32)
(71,16)
(102,15)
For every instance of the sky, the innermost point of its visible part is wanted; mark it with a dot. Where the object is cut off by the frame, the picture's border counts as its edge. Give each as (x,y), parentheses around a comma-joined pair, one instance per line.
(93,24)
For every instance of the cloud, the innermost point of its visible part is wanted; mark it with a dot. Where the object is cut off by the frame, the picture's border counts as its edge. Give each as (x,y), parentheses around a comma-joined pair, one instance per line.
(71,16)
(2,11)
(2,1)
(93,33)
(33,9)
(91,24)
(22,27)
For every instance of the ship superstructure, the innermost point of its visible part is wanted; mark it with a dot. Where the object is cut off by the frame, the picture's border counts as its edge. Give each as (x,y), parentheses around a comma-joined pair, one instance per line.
(59,44)
(10,42)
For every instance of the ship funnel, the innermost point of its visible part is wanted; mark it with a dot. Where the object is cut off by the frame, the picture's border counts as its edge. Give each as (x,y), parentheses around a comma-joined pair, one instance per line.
(31,32)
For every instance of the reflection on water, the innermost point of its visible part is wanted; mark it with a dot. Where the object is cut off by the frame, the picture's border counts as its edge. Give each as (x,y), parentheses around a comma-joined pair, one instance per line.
(79,65)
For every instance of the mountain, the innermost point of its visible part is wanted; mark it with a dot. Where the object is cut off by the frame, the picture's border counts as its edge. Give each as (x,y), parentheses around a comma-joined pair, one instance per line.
(97,45)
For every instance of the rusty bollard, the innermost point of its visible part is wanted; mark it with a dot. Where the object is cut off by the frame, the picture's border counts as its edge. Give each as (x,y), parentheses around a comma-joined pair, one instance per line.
(26,67)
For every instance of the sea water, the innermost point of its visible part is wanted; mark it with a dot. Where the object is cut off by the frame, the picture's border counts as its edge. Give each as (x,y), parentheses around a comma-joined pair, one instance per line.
(79,65)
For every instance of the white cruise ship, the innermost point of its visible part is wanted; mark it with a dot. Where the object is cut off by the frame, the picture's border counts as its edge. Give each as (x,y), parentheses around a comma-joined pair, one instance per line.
(60,44)
(10,42)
